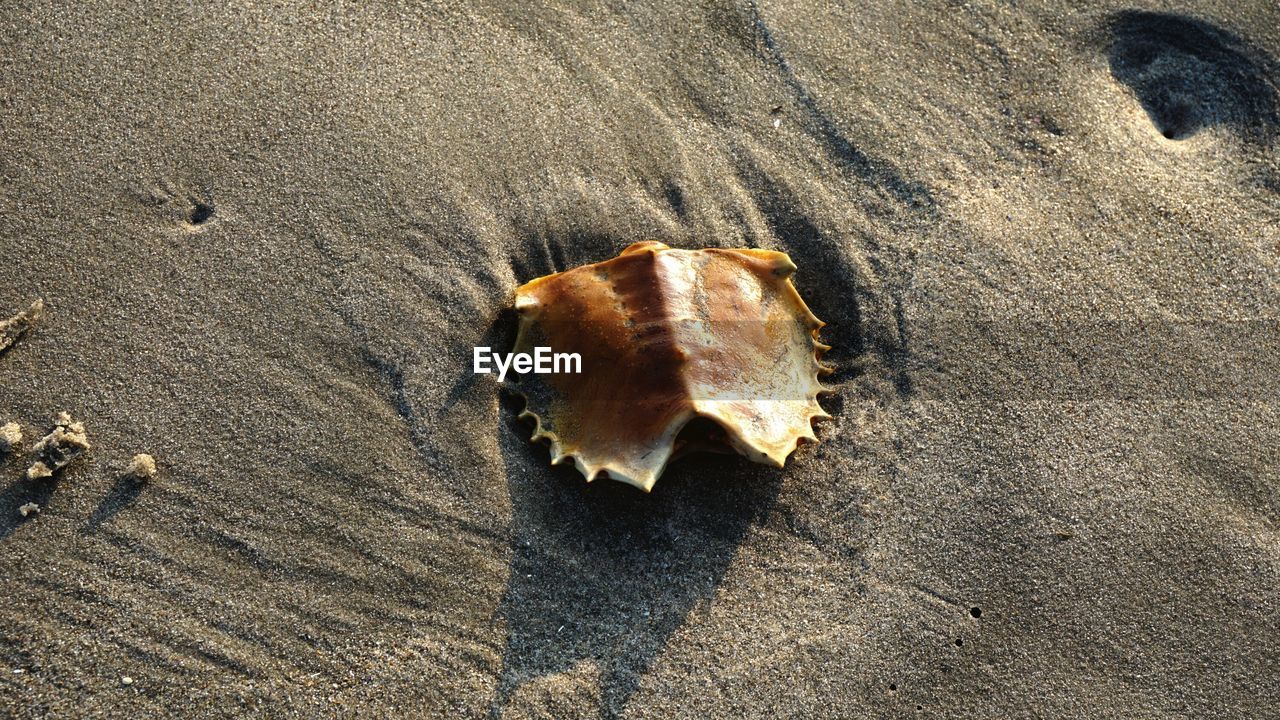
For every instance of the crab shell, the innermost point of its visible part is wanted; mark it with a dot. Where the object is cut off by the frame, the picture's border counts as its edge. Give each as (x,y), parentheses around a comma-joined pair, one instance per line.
(667,337)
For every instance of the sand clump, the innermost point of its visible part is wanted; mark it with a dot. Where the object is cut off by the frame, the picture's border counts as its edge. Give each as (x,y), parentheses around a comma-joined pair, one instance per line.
(142,468)
(64,443)
(28,509)
(39,471)
(18,325)
(10,437)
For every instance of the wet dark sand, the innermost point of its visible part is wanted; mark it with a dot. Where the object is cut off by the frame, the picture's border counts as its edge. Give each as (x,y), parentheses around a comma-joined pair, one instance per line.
(1046,241)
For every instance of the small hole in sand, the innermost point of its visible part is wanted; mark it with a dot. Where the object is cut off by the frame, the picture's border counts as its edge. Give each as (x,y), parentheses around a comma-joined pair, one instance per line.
(200,212)
(893,687)
(976,612)
(959,642)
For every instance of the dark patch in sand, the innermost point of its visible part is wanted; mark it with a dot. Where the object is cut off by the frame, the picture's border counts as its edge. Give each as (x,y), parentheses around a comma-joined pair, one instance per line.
(674,196)
(545,250)
(880,173)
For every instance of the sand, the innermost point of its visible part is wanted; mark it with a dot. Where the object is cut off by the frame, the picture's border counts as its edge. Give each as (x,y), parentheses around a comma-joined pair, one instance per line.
(1045,237)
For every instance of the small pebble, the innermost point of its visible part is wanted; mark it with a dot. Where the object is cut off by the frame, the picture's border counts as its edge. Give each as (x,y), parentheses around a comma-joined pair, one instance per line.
(126,680)
(29,508)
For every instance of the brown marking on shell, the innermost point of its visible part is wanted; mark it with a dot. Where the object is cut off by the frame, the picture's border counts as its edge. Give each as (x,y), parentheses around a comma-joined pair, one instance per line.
(667,336)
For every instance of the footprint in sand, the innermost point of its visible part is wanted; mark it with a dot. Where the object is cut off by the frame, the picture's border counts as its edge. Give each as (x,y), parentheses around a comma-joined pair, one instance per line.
(1189,75)
(190,209)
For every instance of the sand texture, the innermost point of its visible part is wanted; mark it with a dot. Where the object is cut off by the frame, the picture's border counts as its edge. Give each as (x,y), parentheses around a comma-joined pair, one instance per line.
(1045,238)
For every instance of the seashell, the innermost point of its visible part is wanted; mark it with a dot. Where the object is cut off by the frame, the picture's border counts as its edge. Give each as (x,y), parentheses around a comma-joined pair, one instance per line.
(681,350)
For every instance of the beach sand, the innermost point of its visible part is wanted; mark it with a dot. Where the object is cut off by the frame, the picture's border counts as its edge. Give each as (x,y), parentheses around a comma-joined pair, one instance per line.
(1045,239)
